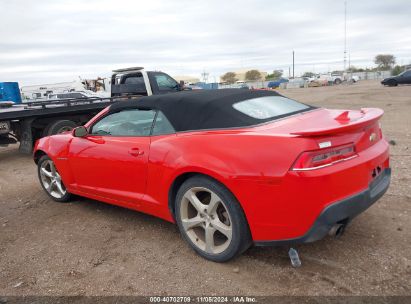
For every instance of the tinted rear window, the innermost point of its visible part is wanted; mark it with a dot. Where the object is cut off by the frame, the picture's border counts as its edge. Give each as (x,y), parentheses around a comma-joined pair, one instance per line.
(268,107)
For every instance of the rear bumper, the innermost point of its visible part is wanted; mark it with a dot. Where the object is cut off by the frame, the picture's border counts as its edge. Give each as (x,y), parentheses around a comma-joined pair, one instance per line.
(342,211)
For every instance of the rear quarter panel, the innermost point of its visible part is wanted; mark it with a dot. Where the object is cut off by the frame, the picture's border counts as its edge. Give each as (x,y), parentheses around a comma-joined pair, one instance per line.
(250,164)
(255,167)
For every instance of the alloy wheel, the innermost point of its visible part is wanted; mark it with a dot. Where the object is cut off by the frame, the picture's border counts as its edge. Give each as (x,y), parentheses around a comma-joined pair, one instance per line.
(51,180)
(206,220)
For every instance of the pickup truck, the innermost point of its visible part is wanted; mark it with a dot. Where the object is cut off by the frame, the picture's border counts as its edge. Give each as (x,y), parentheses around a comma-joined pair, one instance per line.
(27,122)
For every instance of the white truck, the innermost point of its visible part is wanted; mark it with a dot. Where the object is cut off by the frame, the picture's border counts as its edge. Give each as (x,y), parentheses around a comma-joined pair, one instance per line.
(26,122)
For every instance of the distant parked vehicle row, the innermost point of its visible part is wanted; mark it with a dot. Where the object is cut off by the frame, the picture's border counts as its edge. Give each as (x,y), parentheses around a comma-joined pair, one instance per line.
(403,78)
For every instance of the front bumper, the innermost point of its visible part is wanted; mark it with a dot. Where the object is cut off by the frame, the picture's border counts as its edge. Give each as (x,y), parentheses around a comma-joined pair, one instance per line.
(340,212)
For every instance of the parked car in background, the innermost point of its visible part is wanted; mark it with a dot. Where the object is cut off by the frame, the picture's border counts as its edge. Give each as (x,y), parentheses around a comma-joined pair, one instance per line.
(276,83)
(331,78)
(231,167)
(403,78)
(243,86)
(191,87)
(354,78)
(336,78)
(297,83)
(318,82)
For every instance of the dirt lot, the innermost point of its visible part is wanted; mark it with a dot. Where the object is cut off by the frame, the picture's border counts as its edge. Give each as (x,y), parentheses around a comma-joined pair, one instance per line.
(90,248)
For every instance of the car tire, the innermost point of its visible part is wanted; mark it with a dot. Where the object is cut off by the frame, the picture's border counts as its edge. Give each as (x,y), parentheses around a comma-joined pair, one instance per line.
(337,81)
(392,83)
(59,126)
(50,180)
(219,233)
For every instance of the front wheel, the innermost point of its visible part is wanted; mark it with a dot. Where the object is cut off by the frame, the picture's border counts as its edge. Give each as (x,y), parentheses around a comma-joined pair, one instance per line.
(50,180)
(211,220)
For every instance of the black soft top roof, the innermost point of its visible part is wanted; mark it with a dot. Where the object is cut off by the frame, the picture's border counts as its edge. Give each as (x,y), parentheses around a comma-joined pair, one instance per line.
(200,109)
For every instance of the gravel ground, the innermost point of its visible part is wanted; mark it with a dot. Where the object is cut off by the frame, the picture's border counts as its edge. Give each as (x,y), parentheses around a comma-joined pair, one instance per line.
(90,248)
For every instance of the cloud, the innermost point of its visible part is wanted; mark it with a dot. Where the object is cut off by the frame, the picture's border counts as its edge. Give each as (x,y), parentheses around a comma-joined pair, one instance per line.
(53,41)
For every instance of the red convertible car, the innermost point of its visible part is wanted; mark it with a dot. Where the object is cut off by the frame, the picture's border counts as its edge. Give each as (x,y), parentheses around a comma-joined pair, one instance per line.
(231,167)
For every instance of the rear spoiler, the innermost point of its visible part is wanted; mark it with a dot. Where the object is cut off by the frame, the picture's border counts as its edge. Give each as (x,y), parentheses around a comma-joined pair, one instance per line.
(345,122)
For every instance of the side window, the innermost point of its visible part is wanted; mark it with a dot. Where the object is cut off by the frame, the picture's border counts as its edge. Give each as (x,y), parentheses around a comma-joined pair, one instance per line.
(134,79)
(132,122)
(162,125)
(407,74)
(133,83)
(165,83)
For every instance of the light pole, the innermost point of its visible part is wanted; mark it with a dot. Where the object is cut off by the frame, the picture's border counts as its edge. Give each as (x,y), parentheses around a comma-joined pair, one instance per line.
(345,35)
(293,64)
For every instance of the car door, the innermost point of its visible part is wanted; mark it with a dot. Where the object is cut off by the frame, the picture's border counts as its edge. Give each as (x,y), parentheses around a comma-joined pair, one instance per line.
(111,161)
(407,77)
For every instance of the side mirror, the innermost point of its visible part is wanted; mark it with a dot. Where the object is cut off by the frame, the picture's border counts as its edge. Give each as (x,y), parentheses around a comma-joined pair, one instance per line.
(80,131)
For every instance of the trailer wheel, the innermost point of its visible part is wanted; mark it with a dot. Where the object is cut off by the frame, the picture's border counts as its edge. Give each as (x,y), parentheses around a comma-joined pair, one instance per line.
(59,126)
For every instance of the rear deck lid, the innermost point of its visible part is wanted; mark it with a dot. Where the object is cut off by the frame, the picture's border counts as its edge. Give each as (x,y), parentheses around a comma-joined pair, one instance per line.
(322,122)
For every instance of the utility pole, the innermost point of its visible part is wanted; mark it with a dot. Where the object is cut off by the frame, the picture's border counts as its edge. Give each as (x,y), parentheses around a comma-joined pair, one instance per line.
(345,34)
(293,64)
(204,75)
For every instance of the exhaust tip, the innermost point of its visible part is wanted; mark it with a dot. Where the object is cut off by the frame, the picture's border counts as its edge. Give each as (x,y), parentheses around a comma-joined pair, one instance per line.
(337,230)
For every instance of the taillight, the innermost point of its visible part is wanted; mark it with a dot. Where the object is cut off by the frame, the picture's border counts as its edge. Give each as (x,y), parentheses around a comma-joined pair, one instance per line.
(311,160)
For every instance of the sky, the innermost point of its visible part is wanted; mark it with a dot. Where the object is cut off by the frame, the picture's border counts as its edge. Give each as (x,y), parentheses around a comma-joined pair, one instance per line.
(48,41)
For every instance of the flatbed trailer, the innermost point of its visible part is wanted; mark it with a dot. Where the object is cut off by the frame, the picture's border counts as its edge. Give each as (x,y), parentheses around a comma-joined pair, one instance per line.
(27,122)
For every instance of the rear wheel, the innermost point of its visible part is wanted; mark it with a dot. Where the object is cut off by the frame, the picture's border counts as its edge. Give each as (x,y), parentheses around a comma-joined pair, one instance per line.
(51,181)
(211,220)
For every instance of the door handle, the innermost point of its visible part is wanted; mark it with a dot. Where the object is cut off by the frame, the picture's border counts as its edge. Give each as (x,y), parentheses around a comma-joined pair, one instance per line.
(135,152)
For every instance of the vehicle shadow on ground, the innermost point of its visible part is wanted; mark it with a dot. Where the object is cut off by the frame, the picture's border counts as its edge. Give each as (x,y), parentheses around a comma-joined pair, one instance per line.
(123,220)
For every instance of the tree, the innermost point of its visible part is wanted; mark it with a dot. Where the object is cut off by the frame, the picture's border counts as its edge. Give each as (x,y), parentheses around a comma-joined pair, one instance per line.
(384,61)
(276,74)
(308,74)
(397,70)
(229,77)
(252,75)
(353,69)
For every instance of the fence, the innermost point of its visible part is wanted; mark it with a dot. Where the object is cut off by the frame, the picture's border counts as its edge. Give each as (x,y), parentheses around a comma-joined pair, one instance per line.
(264,84)
(372,75)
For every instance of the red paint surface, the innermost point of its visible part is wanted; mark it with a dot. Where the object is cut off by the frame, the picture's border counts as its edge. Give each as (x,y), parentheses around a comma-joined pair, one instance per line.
(253,163)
